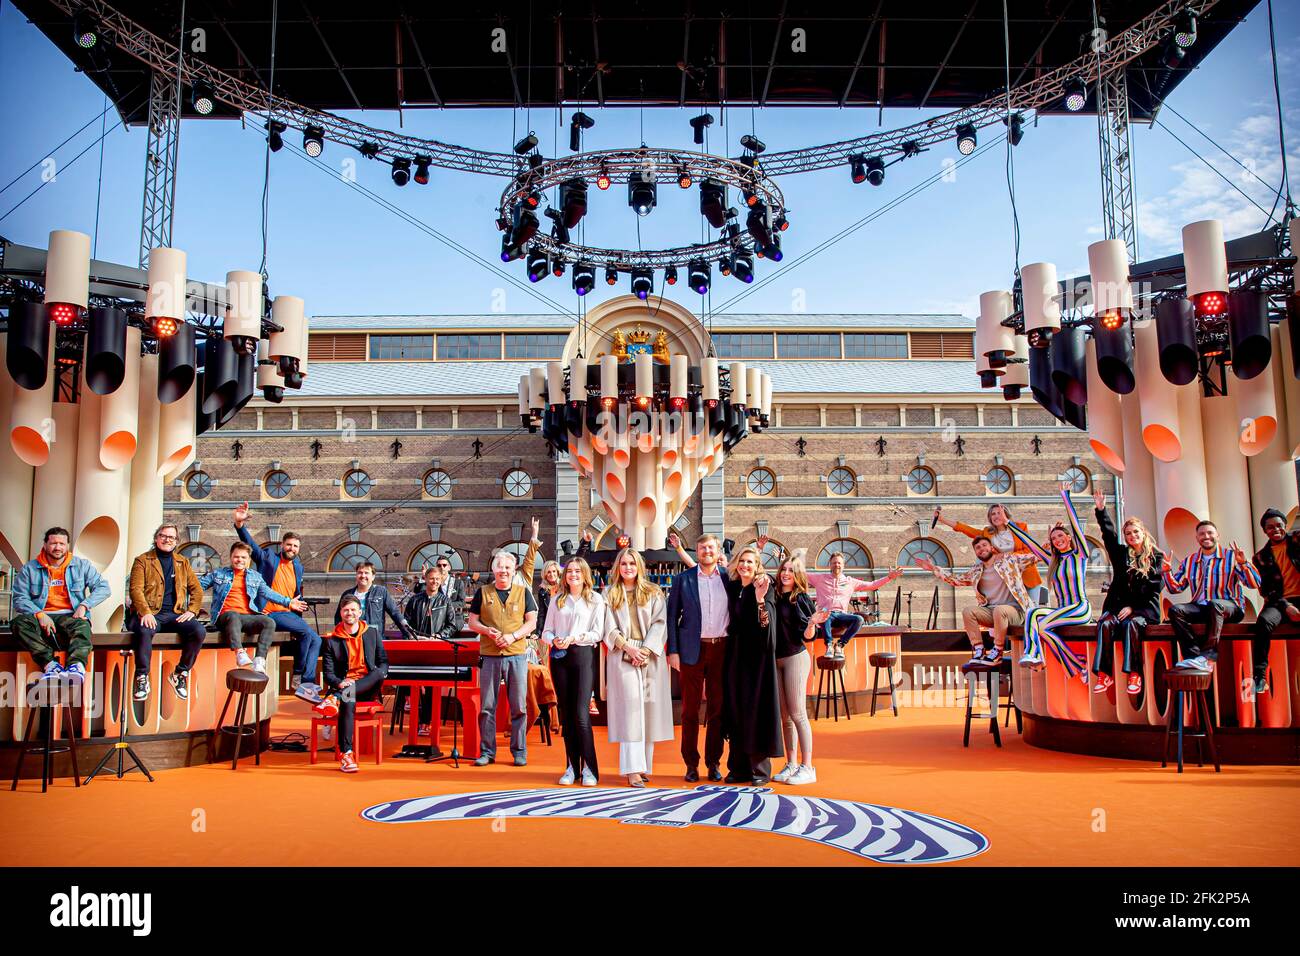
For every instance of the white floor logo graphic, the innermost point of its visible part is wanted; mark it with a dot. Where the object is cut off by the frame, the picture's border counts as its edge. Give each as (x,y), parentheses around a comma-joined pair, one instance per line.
(882,834)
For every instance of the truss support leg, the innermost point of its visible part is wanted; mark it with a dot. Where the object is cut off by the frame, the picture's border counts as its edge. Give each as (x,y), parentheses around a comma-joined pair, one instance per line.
(160,165)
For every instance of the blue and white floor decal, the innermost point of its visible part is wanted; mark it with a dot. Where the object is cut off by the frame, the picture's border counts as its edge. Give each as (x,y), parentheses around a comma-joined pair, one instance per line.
(871,832)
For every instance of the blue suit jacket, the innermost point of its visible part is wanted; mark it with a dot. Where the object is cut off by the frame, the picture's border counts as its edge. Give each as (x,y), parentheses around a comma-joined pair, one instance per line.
(684,613)
(268,562)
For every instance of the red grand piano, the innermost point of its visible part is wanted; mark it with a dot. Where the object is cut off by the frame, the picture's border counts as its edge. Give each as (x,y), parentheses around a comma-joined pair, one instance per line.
(416,664)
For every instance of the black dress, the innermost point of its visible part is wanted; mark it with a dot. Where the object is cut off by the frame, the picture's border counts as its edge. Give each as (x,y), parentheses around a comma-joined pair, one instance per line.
(1129,588)
(751,708)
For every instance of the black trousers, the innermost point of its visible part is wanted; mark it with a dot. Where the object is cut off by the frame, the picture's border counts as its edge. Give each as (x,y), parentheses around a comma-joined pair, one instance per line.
(1128,631)
(191,633)
(745,767)
(1269,618)
(234,626)
(1213,616)
(574,675)
(368,688)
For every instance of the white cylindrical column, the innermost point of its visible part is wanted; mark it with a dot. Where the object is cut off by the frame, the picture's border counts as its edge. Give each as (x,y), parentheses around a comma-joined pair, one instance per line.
(578,381)
(99,512)
(166,298)
(536,388)
(1108,268)
(146,510)
(1040,290)
(554,383)
(1226,479)
(15,479)
(1017,373)
(609,380)
(647,489)
(754,388)
(1105,419)
(1181,491)
(678,378)
(176,441)
(120,410)
(523,396)
(67,270)
(643,364)
(993,336)
(583,455)
(1205,258)
(709,378)
(1273,471)
(54,494)
(1257,409)
(243,305)
(767,394)
(31,427)
(1139,472)
(739,384)
(1157,398)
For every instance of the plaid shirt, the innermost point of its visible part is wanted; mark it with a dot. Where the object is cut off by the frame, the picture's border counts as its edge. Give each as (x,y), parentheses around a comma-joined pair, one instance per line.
(1010,568)
(1212,577)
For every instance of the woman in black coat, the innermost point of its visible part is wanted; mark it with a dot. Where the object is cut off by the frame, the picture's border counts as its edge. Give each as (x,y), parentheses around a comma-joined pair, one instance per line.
(751,703)
(1133,600)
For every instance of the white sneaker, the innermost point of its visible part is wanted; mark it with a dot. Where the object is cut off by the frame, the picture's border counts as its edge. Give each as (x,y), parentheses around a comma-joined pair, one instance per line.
(295,681)
(242,658)
(804,775)
(259,664)
(327,733)
(588,778)
(977,653)
(567,778)
(788,771)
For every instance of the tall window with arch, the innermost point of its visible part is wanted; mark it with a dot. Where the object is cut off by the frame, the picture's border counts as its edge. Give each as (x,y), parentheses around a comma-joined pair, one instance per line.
(346,558)
(926,548)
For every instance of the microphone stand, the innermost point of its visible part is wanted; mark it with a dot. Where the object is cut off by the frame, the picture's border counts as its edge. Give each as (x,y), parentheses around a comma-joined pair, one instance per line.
(455,754)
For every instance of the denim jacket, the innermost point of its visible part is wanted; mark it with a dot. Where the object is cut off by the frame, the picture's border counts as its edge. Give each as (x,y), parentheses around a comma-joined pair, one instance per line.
(259,592)
(32,586)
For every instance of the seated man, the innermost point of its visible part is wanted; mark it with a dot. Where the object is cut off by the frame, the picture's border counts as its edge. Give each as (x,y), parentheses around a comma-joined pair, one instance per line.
(998,580)
(433,616)
(1278,563)
(834,592)
(165,596)
(1215,576)
(284,572)
(503,614)
(354,666)
(375,602)
(238,596)
(53,594)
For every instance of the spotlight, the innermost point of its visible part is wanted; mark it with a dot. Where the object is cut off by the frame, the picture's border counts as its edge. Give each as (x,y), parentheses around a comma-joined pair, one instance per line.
(752,143)
(509,251)
(275,135)
(744,268)
(1172,55)
(422,170)
(670,275)
(713,202)
(557,268)
(602,178)
(1076,94)
(857,169)
(164,327)
(368,150)
(773,249)
(536,160)
(875,170)
(1113,346)
(966,139)
(684,177)
(1110,321)
(725,265)
(573,201)
(611,275)
(559,232)
(201,98)
(757,224)
(526,226)
(401,171)
(63,313)
(642,283)
(313,141)
(698,275)
(532,199)
(526,145)
(1176,337)
(577,124)
(538,265)
(699,123)
(1210,304)
(1185,29)
(642,192)
(1015,128)
(584,278)
(84,34)
(781,224)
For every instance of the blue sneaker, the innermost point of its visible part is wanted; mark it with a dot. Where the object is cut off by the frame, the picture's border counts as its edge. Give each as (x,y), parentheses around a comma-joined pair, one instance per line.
(76,671)
(52,670)
(1198,663)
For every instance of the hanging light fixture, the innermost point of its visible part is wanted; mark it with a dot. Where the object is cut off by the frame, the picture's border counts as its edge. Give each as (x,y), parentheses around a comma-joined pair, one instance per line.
(1112,305)
(966,139)
(1042,308)
(584,278)
(313,141)
(1076,94)
(1205,259)
(201,98)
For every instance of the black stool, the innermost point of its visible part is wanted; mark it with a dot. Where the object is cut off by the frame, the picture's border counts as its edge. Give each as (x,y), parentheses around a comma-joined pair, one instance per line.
(246,683)
(886,660)
(834,667)
(44,699)
(1196,683)
(992,673)
(1009,701)
(544,722)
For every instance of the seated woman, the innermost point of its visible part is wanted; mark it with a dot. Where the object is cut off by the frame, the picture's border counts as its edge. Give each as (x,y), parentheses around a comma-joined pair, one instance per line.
(1133,600)
(998,531)
(1066,557)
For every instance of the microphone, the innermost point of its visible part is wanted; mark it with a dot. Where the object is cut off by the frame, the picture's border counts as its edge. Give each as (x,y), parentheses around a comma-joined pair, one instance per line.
(935,520)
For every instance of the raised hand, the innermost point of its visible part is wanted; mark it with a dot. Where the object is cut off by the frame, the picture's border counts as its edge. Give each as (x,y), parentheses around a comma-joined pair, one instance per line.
(924,564)
(588,536)
(1067,487)
(537,527)
(241,514)
(1167,563)
(761,584)
(1099,499)
(1241,555)
(674,542)
(762,542)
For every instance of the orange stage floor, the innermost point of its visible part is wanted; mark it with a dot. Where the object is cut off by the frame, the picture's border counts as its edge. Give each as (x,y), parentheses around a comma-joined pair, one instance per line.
(1036,807)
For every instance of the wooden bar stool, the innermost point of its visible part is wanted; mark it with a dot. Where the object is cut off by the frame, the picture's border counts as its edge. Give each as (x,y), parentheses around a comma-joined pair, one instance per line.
(246,683)
(992,674)
(885,659)
(834,668)
(369,717)
(1196,683)
(45,699)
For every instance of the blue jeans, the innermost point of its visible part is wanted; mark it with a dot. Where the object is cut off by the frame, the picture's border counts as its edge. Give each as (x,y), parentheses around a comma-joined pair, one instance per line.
(514,668)
(851,624)
(304,661)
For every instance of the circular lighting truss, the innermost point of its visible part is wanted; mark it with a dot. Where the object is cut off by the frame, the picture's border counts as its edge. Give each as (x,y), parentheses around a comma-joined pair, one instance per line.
(667,169)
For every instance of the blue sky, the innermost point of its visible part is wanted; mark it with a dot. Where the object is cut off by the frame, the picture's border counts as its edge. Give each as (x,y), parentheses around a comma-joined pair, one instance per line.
(935,252)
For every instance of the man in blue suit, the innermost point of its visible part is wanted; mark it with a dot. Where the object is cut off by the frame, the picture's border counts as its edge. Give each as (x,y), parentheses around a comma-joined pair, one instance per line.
(283,572)
(697,632)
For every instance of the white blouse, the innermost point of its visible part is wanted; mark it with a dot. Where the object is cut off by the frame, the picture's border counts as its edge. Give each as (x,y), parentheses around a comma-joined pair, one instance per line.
(579,619)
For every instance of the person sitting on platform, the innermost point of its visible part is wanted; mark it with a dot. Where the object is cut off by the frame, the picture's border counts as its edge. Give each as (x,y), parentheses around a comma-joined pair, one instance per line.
(432,616)
(1133,600)
(998,580)
(375,602)
(284,572)
(998,531)
(165,596)
(834,592)
(503,614)
(52,595)
(354,665)
(1278,563)
(1067,572)
(1214,575)
(238,595)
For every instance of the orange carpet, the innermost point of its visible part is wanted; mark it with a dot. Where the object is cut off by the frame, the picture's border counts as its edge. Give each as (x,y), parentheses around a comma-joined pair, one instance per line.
(1035,807)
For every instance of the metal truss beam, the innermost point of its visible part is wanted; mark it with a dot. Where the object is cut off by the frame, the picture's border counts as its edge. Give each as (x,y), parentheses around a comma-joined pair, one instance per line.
(160,165)
(1118,202)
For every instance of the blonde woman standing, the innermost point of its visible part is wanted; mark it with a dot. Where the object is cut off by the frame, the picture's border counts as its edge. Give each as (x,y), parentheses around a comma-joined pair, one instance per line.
(575,625)
(640,706)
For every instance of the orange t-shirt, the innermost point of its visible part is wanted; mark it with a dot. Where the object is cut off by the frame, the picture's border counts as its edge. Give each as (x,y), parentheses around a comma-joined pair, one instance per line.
(357,668)
(284,582)
(237,599)
(1290,576)
(59,600)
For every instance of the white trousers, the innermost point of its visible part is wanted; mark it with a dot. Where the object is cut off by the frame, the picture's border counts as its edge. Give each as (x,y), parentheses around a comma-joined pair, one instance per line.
(638,757)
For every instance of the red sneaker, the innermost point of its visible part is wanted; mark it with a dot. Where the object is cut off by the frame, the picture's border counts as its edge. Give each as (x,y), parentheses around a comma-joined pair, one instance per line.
(1135,683)
(1104,683)
(348,763)
(329,707)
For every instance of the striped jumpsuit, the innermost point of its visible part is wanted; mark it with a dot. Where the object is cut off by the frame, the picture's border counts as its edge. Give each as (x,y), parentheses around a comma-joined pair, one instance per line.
(1068,585)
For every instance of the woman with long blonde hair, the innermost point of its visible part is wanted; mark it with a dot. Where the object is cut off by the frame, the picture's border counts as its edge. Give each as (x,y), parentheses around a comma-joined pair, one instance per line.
(751,708)
(639,696)
(797,619)
(1133,600)
(575,626)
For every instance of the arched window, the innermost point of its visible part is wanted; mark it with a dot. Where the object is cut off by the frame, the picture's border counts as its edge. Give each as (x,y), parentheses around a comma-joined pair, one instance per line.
(347,558)
(277,484)
(201,557)
(1079,479)
(1097,559)
(855,555)
(760,483)
(998,481)
(437,483)
(771,552)
(428,555)
(198,485)
(518,483)
(920,481)
(356,483)
(841,481)
(923,548)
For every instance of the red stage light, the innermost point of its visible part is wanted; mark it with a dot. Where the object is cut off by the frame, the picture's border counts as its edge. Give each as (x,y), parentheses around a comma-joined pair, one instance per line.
(533,200)
(623,541)
(608,403)
(602,180)
(61,313)
(1210,303)
(1110,321)
(711,402)
(642,401)
(684,180)
(164,327)
(677,403)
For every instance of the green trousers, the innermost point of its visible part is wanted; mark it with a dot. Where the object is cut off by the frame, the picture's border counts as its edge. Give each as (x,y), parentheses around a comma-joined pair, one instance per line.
(70,633)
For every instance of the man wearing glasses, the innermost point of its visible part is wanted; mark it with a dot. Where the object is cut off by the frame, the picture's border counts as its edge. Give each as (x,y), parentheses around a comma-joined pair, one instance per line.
(165,596)
(452,586)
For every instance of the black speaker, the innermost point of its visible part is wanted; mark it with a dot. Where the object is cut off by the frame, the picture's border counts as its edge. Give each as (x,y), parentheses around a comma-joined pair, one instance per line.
(220,375)
(1069,368)
(1176,336)
(105,350)
(28,353)
(176,364)
(1248,332)
(1114,350)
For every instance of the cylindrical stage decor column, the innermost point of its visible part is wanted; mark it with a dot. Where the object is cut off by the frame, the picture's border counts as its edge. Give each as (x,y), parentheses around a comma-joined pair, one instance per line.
(1272,471)
(55,491)
(1258,411)
(176,439)
(1290,387)
(1157,398)
(1181,494)
(120,410)
(146,511)
(15,479)
(1226,478)
(1139,472)
(1105,418)
(99,513)
(29,419)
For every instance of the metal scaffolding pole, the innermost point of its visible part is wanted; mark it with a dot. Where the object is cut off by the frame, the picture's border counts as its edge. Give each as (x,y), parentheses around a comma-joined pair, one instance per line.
(1118,202)
(160,165)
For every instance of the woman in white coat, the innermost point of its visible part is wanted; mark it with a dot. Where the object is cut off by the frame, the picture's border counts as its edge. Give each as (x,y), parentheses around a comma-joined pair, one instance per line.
(639,696)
